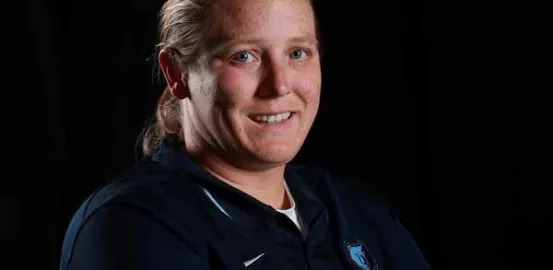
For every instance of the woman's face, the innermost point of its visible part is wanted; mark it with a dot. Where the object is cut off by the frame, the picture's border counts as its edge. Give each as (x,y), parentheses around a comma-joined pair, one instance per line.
(255,93)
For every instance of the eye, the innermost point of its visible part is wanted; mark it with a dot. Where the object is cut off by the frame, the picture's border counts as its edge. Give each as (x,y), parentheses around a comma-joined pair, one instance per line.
(298,54)
(242,57)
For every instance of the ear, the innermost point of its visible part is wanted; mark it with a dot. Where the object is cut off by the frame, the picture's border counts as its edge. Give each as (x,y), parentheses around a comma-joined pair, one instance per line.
(174,77)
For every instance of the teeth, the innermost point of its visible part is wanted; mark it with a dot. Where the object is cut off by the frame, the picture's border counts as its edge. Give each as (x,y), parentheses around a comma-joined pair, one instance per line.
(272,118)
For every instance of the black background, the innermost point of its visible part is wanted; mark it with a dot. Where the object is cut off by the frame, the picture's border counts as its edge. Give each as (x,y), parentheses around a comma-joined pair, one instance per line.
(440,105)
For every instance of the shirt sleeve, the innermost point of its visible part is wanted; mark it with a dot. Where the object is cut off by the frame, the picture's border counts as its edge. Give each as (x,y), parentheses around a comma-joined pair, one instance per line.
(123,237)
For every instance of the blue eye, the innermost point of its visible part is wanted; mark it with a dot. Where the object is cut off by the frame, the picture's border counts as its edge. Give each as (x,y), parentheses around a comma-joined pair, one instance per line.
(242,57)
(297,53)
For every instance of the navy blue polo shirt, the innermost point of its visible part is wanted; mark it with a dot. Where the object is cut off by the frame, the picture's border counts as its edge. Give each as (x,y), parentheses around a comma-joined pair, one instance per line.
(169,213)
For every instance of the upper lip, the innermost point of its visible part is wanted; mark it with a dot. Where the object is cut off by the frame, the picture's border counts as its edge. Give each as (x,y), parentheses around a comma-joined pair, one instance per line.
(271,113)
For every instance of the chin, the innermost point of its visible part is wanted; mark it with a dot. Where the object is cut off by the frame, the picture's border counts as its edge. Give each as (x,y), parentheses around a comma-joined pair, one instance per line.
(275,156)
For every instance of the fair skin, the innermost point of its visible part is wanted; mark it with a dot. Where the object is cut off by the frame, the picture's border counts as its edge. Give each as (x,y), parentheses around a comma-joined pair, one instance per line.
(251,99)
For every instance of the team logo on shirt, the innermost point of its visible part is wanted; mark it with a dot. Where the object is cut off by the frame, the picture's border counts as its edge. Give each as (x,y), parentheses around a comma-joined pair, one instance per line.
(359,256)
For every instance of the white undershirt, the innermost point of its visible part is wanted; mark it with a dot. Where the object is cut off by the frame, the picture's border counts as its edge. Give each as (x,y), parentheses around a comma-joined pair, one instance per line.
(292,213)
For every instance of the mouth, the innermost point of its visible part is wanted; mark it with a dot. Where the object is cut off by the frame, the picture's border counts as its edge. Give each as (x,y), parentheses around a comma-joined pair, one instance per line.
(271,118)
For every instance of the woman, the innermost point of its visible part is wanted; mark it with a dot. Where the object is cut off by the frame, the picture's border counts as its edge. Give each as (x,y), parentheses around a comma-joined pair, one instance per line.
(216,191)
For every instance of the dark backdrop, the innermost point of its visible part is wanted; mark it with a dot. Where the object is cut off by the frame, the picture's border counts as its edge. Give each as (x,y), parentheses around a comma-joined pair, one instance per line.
(439,105)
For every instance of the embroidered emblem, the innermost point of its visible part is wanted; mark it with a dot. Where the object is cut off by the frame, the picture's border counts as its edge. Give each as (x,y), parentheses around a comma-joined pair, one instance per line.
(359,256)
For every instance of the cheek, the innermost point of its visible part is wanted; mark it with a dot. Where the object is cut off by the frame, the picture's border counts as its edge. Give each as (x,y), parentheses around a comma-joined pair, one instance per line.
(310,88)
(235,87)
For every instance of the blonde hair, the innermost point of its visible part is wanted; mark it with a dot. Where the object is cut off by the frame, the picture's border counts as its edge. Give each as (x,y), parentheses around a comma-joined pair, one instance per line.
(182,28)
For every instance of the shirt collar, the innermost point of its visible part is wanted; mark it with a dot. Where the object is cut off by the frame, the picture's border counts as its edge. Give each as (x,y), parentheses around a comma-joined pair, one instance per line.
(239,205)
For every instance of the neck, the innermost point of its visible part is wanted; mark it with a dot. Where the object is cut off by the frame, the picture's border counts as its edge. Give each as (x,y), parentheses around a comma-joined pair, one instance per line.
(267,186)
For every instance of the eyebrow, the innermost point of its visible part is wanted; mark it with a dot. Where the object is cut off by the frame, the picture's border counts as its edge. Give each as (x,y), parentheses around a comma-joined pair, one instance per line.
(222,44)
(311,39)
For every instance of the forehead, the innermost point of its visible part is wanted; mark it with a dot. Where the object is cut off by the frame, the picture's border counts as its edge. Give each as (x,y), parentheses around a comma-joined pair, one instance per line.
(263,18)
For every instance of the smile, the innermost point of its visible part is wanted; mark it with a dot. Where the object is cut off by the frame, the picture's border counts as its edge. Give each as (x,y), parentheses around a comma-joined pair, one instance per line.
(271,118)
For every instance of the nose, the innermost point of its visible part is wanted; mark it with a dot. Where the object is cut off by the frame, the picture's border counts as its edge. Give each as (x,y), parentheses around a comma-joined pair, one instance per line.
(275,80)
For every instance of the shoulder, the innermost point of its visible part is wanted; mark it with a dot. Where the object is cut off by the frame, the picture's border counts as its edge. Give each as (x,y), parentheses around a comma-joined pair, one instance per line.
(146,201)
(142,185)
(147,187)
(369,214)
(347,189)
(349,198)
